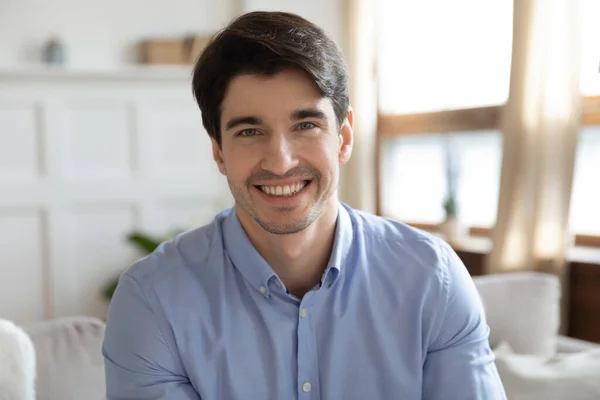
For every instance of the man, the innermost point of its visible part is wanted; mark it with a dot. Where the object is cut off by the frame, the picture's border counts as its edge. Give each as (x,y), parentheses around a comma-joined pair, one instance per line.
(291,294)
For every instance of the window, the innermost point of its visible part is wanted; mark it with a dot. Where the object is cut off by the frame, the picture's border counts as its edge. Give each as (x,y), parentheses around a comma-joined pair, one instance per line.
(443,71)
(584,217)
(590,48)
(414,185)
(436,55)
(439,54)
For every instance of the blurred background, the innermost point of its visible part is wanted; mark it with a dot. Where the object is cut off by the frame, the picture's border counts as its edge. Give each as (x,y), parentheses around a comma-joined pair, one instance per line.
(476,120)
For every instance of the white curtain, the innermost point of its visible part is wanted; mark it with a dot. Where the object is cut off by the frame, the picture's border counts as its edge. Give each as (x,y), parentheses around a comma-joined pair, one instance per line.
(540,125)
(358,177)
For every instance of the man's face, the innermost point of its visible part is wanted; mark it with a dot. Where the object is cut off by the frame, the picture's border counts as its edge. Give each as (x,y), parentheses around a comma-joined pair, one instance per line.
(281,149)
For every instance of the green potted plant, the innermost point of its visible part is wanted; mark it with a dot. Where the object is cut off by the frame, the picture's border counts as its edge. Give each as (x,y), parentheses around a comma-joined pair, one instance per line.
(145,243)
(451,227)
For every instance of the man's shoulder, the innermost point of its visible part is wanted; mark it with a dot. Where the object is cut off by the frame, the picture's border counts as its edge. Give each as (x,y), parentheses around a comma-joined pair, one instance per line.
(392,232)
(400,241)
(190,249)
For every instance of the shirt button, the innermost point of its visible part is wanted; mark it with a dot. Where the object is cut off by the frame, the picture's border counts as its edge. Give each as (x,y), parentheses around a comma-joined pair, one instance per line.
(263,289)
(303,314)
(306,387)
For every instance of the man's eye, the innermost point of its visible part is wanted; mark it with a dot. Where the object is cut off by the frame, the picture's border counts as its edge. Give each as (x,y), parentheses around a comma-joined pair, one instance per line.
(306,125)
(248,132)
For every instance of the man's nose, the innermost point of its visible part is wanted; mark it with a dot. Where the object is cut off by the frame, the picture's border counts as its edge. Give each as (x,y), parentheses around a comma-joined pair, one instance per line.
(279,156)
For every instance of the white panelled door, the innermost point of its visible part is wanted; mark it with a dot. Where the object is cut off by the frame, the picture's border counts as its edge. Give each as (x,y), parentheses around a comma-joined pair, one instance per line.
(85,158)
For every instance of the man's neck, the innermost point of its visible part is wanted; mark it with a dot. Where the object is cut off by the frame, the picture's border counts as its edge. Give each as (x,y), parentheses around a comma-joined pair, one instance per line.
(299,259)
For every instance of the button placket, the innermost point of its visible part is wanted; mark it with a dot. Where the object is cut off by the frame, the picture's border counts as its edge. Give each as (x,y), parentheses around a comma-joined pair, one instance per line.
(307,342)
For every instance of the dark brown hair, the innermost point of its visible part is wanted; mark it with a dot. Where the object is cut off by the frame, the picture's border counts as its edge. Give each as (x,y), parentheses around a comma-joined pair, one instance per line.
(266,43)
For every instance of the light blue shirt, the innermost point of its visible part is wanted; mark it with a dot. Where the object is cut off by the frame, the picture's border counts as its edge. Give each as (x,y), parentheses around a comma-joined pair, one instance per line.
(396,316)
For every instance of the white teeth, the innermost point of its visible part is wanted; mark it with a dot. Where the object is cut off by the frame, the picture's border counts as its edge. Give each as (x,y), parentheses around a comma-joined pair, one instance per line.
(286,190)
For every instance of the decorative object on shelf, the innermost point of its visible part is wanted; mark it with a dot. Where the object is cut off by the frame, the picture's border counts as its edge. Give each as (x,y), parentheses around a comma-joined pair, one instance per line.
(162,51)
(54,52)
(173,51)
(451,228)
(145,244)
(194,45)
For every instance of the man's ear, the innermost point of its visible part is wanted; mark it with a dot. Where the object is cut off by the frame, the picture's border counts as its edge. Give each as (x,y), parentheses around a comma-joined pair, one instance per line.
(218,156)
(346,137)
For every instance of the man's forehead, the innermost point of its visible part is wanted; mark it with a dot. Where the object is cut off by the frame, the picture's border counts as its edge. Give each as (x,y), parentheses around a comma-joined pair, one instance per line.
(277,96)
(283,84)
(318,108)
(274,104)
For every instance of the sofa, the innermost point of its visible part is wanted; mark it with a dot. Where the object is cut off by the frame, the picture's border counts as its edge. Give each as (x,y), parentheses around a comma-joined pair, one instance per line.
(533,360)
(522,310)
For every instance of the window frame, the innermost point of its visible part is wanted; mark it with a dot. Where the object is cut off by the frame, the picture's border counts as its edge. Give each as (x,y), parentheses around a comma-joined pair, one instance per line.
(462,120)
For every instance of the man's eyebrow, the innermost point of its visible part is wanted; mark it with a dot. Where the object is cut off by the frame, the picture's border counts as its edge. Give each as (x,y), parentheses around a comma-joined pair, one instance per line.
(248,120)
(308,113)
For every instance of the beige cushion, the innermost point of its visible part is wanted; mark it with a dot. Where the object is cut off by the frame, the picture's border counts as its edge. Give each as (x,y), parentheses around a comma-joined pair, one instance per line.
(522,309)
(69,358)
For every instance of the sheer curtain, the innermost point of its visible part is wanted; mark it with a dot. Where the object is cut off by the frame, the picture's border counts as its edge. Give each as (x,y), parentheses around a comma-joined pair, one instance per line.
(540,124)
(358,177)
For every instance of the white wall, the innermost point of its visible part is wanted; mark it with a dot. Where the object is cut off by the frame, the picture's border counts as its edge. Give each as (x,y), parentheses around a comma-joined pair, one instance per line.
(100,33)
(103,33)
(84,160)
(328,14)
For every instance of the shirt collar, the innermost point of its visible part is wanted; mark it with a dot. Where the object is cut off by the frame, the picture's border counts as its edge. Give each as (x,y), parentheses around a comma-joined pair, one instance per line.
(341,245)
(258,272)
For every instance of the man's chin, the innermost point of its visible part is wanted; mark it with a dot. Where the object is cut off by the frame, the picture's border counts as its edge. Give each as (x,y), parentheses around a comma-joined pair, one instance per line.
(284,220)
(282,213)
(283,229)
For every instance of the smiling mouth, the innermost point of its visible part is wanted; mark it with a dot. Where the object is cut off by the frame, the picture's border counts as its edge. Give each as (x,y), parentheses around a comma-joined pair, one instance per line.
(283,190)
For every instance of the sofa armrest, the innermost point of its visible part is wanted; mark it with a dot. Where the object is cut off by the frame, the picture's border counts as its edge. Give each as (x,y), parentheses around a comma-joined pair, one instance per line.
(69,358)
(571,345)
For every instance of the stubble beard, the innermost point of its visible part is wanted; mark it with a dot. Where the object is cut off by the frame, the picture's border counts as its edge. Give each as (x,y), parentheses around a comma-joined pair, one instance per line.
(243,196)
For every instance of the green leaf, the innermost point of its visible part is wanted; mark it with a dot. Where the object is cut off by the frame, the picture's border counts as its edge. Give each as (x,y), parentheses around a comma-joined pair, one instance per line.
(110,288)
(450,207)
(145,243)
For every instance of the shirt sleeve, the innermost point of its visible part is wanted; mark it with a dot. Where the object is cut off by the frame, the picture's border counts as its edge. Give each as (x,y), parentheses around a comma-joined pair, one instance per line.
(459,363)
(137,358)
